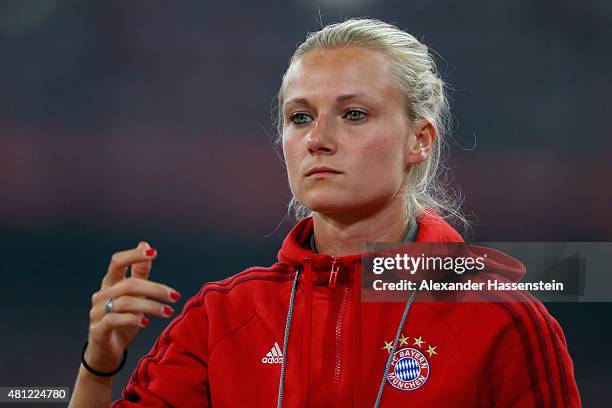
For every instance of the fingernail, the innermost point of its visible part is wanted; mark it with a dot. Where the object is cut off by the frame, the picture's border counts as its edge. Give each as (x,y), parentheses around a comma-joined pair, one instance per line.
(150,252)
(168,310)
(174,295)
(144,322)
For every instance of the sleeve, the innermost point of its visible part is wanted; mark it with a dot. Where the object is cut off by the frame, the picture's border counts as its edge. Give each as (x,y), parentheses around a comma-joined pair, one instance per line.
(175,372)
(530,365)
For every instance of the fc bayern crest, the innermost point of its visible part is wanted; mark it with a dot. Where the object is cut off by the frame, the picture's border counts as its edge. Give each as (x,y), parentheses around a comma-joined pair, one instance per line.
(409,369)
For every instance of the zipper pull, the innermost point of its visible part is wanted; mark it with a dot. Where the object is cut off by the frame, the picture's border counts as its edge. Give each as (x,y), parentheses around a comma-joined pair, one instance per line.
(334,273)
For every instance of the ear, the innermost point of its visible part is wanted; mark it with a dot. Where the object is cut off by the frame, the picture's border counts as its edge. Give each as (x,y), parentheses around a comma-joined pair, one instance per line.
(420,142)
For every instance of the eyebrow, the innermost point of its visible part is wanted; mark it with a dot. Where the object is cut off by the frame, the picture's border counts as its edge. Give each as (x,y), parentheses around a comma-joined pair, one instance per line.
(340,98)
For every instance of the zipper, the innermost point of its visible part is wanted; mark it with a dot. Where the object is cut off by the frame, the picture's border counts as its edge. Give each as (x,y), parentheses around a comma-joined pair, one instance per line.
(334,273)
(338,365)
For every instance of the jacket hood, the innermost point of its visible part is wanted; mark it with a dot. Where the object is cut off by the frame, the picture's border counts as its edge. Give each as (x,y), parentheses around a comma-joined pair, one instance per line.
(295,250)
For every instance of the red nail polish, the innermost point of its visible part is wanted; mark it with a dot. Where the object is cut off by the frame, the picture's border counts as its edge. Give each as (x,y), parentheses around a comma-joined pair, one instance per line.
(168,310)
(144,321)
(151,252)
(174,295)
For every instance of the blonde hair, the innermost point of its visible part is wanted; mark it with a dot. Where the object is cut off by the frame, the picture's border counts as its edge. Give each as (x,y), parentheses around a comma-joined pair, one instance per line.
(416,73)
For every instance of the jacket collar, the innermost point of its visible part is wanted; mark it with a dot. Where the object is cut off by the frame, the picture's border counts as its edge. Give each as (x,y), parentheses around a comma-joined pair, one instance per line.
(295,249)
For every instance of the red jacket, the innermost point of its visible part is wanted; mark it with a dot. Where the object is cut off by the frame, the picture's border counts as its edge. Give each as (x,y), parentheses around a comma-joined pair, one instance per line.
(225,348)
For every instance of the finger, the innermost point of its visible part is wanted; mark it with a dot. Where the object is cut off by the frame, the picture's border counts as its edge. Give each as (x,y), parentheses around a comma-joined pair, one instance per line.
(101,330)
(132,304)
(137,287)
(120,261)
(142,269)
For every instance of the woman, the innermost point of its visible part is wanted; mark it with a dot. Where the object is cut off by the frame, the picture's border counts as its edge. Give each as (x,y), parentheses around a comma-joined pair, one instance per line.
(362,114)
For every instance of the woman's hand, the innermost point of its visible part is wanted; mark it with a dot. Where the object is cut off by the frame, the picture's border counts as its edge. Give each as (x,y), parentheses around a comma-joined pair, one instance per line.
(132,298)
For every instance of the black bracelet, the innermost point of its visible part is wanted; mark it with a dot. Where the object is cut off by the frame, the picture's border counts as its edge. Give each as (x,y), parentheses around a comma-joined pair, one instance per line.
(101,373)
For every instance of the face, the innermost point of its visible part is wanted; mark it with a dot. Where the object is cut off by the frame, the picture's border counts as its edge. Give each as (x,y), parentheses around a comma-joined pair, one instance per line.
(346,134)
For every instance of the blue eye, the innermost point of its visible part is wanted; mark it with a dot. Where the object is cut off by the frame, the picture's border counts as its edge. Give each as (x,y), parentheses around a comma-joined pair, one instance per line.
(299,118)
(354,115)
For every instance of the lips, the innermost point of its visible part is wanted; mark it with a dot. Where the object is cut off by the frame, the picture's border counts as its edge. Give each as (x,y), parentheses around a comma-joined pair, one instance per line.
(322,169)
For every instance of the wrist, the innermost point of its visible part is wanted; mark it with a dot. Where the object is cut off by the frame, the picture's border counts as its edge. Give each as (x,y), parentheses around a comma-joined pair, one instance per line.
(85,375)
(96,372)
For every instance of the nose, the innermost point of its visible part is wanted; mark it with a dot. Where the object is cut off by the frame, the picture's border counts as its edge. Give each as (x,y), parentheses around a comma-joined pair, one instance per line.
(321,138)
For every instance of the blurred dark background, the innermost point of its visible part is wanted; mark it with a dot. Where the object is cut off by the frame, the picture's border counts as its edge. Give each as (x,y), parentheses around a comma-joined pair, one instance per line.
(124,121)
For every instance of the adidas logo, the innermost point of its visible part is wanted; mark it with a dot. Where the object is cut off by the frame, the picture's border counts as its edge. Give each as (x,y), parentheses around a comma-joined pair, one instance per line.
(274,356)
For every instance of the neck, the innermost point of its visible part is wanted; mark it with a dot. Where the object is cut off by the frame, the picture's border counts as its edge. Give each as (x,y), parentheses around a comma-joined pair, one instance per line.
(342,234)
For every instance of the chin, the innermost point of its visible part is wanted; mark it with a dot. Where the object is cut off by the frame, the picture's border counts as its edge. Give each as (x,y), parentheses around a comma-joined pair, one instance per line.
(330,207)
(322,204)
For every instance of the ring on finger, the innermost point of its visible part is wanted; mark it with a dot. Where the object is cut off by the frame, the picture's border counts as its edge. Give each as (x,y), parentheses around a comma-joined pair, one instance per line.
(108,306)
